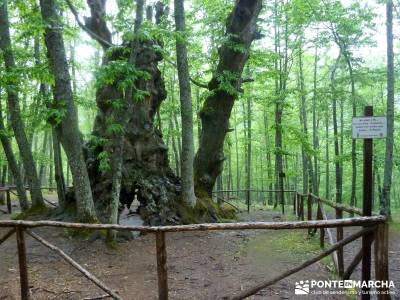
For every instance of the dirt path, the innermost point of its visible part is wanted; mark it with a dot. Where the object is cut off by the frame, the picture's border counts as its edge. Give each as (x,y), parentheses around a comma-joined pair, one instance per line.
(201,265)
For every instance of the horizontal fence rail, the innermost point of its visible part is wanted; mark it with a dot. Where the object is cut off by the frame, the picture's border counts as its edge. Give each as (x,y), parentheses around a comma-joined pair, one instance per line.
(359,221)
(20,226)
(374,226)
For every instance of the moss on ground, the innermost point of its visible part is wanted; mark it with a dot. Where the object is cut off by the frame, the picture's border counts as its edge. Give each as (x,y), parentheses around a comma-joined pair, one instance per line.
(34,212)
(205,211)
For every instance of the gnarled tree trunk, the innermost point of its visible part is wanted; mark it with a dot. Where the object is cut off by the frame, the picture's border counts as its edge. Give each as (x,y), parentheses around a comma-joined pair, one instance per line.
(224,86)
(145,169)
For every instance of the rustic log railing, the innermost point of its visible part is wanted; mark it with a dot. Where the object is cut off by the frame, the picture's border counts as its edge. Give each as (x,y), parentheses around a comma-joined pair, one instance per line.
(247,194)
(8,190)
(379,236)
(373,223)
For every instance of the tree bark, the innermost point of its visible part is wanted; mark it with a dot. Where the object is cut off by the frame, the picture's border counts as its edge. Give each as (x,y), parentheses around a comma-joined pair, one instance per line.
(42,169)
(67,128)
(387,177)
(338,169)
(58,170)
(223,87)
(315,127)
(13,165)
(121,117)
(186,106)
(303,121)
(14,110)
(248,159)
(327,167)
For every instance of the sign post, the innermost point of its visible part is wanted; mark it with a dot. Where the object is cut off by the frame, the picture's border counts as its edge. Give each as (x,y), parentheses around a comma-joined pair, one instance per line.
(368,128)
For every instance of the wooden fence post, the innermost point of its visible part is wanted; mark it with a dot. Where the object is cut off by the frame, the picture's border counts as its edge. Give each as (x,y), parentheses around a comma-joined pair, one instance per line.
(302,207)
(368,148)
(248,200)
(294,203)
(8,199)
(322,230)
(382,259)
(23,268)
(339,237)
(309,211)
(162,266)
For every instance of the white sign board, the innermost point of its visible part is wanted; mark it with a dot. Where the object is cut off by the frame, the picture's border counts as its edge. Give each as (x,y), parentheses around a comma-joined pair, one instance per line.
(369,127)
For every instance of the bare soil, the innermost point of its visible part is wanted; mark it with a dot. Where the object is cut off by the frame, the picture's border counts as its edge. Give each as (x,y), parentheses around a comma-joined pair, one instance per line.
(201,265)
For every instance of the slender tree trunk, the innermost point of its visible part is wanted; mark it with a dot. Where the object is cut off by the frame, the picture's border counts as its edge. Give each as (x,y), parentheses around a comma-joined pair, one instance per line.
(387,177)
(58,170)
(327,168)
(174,146)
(237,155)
(13,165)
(3,180)
(229,179)
(353,199)
(269,163)
(51,165)
(14,110)
(186,107)
(197,114)
(338,170)
(307,175)
(248,142)
(67,129)
(315,127)
(42,169)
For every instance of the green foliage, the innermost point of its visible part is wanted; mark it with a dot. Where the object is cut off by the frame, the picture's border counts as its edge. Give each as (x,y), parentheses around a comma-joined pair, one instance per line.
(104,161)
(121,73)
(227,83)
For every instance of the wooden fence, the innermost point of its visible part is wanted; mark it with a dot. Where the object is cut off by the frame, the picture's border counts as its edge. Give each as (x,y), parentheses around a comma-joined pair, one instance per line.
(380,236)
(8,190)
(370,224)
(220,195)
(374,228)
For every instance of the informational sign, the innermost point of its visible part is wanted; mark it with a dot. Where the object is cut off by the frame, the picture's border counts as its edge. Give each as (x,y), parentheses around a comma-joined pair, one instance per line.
(369,127)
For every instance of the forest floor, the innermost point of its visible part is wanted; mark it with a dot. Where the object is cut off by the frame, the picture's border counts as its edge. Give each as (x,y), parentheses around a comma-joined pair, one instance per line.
(201,265)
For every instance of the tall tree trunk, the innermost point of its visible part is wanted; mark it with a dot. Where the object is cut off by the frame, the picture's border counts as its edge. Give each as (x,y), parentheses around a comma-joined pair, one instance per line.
(3,180)
(315,127)
(13,165)
(42,169)
(121,117)
(387,177)
(353,142)
(327,168)
(174,146)
(14,110)
(303,121)
(51,165)
(216,111)
(58,170)
(237,155)
(338,170)
(186,106)
(269,163)
(67,129)
(248,143)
